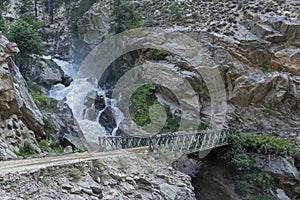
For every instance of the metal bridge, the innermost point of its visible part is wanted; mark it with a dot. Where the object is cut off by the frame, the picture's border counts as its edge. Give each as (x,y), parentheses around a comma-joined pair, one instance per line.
(183,142)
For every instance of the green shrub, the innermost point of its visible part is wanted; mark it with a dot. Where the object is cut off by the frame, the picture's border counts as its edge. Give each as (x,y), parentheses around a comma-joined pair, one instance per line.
(248,179)
(141,102)
(176,9)
(44,145)
(80,150)
(25,6)
(27,38)
(75,174)
(33,87)
(264,144)
(1,158)
(3,25)
(254,180)
(26,150)
(32,20)
(46,181)
(56,147)
(126,16)
(42,102)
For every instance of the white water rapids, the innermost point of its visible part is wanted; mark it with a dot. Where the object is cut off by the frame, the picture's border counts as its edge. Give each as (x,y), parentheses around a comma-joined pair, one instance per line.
(75,96)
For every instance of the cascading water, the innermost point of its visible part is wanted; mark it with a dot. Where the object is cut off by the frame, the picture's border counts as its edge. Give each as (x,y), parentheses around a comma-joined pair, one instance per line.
(80,96)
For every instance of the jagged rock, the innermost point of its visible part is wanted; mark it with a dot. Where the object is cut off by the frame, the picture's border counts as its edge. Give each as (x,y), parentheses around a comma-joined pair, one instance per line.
(60,185)
(282,169)
(94,26)
(62,125)
(281,195)
(107,119)
(20,118)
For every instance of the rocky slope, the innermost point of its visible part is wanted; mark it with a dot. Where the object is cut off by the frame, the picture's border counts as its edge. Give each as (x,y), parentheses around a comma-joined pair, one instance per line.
(255,45)
(20,119)
(123,177)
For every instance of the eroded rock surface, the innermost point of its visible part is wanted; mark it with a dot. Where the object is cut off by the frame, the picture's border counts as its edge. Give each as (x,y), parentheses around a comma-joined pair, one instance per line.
(124,177)
(20,119)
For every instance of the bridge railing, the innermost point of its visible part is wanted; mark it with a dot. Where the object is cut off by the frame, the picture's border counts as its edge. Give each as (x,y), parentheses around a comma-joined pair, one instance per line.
(179,142)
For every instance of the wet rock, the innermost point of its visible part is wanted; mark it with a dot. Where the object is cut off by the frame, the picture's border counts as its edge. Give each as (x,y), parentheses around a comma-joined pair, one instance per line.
(107,119)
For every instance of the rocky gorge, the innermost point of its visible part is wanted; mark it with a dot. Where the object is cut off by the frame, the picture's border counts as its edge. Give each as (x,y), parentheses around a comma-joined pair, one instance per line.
(254,45)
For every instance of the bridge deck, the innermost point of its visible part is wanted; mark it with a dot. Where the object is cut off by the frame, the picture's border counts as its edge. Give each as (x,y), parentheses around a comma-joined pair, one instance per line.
(180,142)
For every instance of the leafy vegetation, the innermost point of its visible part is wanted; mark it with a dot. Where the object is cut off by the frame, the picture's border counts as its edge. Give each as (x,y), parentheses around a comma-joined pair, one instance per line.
(44,145)
(56,147)
(26,6)
(238,155)
(43,103)
(176,10)
(26,150)
(32,20)
(264,144)
(75,174)
(142,99)
(27,38)
(80,150)
(254,180)
(1,158)
(126,16)
(3,25)
(46,181)
(141,102)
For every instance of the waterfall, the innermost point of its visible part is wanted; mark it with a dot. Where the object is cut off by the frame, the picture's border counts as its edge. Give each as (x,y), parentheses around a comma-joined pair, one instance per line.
(77,96)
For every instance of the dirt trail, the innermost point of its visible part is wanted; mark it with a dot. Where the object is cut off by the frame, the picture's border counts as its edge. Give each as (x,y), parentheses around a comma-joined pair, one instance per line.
(14,166)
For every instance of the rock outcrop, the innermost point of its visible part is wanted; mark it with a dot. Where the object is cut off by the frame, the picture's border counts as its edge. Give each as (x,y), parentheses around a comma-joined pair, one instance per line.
(95,24)
(114,177)
(20,119)
(255,45)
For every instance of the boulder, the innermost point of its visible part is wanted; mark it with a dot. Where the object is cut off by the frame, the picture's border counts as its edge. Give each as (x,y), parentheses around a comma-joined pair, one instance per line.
(95,25)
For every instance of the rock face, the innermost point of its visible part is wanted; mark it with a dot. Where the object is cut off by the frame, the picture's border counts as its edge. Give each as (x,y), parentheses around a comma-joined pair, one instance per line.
(127,177)
(283,170)
(44,72)
(95,24)
(20,119)
(61,125)
(258,57)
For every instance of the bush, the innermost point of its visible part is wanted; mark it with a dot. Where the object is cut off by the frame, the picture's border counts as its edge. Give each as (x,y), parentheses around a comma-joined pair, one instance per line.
(32,20)
(75,174)
(27,38)
(3,26)
(56,147)
(254,180)
(46,181)
(126,17)
(26,150)
(264,144)
(248,179)
(176,9)
(44,144)
(141,103)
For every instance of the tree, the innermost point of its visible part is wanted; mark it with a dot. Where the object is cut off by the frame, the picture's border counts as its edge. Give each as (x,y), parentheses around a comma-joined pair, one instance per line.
(126,16)
(27,38)
(32,20)
(26,6)
(3,26)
